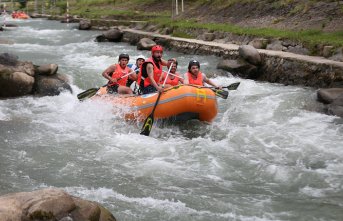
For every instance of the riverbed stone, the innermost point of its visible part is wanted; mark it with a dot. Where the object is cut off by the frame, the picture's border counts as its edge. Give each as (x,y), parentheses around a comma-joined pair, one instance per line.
(8,59)
(209,36)
(47,69)
(85,24)
(259,43)
(50,85)
(298,49)
(338,55)
(239,67)
(327,51)
(145,44)
(50,204)
(13,84)
(275,45)
(113,35)
(328,95)
(250,54)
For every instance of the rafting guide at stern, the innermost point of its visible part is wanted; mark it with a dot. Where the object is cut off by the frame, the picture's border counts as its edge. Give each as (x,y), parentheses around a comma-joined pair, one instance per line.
(151,71)
(118,76)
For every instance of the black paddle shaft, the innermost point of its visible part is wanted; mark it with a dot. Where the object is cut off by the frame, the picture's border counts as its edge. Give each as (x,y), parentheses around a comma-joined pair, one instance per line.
(149,121)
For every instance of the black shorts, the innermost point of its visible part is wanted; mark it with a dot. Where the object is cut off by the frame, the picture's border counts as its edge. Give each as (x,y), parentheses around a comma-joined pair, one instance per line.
(112,89)
(148,90)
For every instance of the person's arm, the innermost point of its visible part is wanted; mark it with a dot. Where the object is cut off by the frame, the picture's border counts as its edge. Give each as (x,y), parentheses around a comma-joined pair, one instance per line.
(132,76)
(109,71)
(186,81)
(150,72)
(208,81)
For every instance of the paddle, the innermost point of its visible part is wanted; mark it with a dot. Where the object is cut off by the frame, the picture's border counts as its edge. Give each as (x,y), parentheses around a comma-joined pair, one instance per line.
(224,94)
(149,121)
(91,92)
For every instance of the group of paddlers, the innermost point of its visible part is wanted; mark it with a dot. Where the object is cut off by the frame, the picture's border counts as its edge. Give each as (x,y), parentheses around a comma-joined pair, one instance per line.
(149,74)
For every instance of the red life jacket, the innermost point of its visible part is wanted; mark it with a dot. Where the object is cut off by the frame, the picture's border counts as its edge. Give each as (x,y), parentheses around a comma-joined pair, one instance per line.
(143,75)
(172,82)
(118,73)
(197,81)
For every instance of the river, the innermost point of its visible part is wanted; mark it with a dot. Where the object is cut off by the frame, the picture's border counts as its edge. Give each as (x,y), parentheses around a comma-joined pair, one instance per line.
(269,154)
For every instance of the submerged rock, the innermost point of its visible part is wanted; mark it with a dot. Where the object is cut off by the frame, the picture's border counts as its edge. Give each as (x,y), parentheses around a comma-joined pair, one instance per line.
(334,98)
(50,204)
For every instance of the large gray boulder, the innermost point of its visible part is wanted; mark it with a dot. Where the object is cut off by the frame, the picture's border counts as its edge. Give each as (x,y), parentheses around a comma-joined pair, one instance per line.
(328,95)
(239,67)
(46,69)
(85,24)
(249,54)
(50,85)
(145,44)
(50,204)
(16,78)
(13,84)
(113,35)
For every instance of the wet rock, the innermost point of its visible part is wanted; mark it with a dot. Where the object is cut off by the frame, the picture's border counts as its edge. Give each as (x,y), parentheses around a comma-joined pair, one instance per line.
(85,25)
(50,85)
(335,110)
(276,45)
(145,44)
(101,38)
(259,43)
(239,67)
(328,95)
(47,69)
(250,54)
(8,59)
(13,84)
(50,204)
(113,35)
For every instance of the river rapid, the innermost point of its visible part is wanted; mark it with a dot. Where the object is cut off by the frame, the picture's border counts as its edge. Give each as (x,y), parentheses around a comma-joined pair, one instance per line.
(269,154)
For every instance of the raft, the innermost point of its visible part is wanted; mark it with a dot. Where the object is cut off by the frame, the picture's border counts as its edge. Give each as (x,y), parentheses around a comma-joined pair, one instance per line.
(182,102)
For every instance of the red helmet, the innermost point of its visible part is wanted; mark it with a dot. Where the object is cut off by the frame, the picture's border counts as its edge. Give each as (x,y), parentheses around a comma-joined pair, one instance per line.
(156,48)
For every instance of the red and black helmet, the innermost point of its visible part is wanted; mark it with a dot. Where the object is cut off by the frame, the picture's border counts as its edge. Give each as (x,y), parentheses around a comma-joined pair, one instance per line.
(156,48)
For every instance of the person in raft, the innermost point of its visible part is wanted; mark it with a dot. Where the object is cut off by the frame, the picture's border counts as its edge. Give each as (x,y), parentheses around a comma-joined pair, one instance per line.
(151,71)
(135,67)
(195,76)
(174,77)
(118,76)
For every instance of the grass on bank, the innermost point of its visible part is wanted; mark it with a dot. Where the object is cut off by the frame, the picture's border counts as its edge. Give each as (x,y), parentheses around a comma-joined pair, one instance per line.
(311,37)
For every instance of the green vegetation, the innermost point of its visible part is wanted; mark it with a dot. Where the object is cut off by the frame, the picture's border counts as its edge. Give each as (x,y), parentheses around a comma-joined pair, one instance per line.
(310,37)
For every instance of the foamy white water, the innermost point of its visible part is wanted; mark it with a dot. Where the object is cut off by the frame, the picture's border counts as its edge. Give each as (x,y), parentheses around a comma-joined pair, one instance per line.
(269,155)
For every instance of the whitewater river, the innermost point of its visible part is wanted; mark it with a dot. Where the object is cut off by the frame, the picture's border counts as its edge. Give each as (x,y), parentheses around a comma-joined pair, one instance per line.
(269,154)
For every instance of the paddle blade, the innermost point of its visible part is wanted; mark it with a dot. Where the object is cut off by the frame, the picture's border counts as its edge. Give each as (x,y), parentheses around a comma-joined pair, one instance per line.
(147,126)
(221,93)
(87,94)
(233,86)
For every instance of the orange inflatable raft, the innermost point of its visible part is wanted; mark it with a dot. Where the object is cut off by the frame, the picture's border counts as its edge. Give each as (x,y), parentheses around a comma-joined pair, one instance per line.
(182,102)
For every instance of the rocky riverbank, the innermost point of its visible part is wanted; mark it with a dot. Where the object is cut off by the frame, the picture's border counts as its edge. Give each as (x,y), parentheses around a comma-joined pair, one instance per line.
(19,78)
(50,204)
